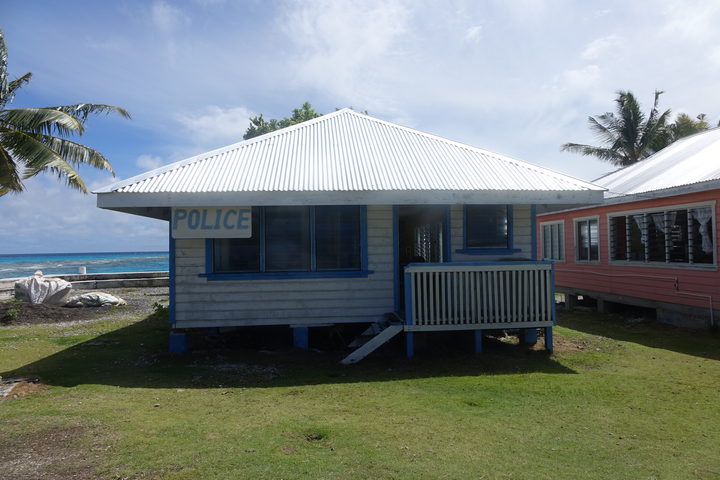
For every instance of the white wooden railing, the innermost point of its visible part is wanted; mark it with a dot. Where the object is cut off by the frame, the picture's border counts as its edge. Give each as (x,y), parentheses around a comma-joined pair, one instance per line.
(455,296)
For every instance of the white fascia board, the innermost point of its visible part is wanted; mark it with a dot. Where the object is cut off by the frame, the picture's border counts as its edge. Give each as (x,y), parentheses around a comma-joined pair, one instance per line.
(117,200)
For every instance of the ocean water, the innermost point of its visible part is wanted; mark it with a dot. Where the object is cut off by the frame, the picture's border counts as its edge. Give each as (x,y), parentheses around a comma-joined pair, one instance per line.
(59,263)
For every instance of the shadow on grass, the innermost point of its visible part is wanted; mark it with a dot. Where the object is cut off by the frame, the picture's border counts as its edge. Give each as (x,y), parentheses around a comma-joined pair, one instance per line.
(650,333)
(137,356)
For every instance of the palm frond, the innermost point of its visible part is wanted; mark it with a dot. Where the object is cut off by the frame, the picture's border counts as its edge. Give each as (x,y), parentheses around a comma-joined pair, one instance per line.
(77,154)
(32,151)
(606,154)
(45,121)
(9,178)
(14,86)
(82,111)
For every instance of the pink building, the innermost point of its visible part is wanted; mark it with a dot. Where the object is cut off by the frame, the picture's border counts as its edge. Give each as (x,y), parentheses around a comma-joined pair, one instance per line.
(652,242)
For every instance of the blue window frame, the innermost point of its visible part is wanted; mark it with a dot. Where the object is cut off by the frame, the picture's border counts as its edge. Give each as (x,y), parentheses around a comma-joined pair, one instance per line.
(294,242)
(488,230)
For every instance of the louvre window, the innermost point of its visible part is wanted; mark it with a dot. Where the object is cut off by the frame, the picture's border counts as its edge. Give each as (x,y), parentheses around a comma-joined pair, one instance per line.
(553,241)
(680,235)
(587,240)
(487,226)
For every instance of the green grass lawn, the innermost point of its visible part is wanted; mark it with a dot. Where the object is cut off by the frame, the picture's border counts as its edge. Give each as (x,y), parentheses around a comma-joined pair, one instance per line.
(615,401)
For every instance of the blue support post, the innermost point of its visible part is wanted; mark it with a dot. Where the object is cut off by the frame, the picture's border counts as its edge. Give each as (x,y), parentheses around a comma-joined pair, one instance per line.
(409,344)
(548,339)
(301,338)
(529,336)
(478,341)
(178,342)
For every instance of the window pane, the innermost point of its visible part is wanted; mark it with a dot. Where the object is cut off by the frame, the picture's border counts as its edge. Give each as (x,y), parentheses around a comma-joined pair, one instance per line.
(487,226)
(618,238)
(287,239)
(583,240)
(637,239)
(561,241)
(547,241)
(656,236)
(678,235)
(594,240)
(702,244)
(238,254)
(337,237)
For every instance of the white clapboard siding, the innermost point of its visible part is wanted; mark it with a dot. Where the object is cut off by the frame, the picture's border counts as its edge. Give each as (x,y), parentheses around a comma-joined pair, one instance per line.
(203,303)
(522,225)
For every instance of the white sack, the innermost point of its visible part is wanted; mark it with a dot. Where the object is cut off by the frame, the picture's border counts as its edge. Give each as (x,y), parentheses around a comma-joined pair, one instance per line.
(38,289)
(94,299)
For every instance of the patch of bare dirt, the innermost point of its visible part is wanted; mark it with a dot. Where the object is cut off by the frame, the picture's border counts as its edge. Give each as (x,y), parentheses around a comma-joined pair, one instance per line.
(139,301)
(23,388)
(20,313)
(54,454)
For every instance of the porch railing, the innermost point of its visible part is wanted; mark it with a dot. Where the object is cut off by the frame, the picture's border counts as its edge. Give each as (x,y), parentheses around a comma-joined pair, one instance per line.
(458,296)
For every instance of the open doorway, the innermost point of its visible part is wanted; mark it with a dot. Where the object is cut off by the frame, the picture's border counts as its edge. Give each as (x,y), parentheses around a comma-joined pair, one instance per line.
(423,236)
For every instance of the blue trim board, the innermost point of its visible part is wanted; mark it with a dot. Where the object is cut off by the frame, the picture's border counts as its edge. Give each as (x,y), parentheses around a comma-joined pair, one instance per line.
(447,234)
(364,239)
(408,295)
(171,279)
(533,231)
(396,258)
(487,251)
(285,275)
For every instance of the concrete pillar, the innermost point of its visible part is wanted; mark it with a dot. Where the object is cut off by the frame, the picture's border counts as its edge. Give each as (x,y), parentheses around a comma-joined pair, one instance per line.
(478,341)
(602,306)
(570,301)
(178,342)
(301,337)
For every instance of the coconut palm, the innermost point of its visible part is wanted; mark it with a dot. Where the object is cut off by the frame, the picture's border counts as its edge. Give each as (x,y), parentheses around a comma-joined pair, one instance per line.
(34,140)
(628,134)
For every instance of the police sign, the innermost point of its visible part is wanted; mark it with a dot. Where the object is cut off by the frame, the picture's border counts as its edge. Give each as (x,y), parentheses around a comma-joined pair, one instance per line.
(211,222)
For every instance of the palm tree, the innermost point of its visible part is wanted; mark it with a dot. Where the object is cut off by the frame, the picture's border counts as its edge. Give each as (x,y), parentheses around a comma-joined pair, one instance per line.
(628,135)
(34,140)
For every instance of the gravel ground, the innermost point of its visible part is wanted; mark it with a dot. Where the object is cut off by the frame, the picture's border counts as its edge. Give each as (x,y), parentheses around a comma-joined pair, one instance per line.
(140,301)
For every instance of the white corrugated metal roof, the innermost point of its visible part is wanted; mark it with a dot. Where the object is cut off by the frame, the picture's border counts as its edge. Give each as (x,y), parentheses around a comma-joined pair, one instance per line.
(346,151)
(691,160)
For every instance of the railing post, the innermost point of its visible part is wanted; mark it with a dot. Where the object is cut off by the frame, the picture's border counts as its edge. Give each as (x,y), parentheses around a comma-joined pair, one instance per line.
(408,298)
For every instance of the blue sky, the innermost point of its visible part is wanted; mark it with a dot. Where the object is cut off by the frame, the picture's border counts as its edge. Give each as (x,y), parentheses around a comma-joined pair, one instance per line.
(518,78)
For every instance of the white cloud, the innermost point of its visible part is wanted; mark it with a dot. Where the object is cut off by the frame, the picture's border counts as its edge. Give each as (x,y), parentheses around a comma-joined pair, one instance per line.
(473,34)
(601,47)
(580,79)
(148,162)
(214,126)
(48,217)
(166,17)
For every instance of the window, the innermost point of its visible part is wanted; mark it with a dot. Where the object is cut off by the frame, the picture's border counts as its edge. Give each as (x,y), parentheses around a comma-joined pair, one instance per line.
(677,235)
(553,241)
(488,226)
(586,240)
(295,239)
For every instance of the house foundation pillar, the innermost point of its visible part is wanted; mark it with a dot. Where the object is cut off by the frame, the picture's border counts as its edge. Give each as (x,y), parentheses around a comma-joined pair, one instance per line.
(409,344)
(178,342)
(478,341)
(301,337)
(548,339)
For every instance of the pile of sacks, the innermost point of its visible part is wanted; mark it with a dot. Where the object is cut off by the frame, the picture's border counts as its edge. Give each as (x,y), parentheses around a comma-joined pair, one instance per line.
(56,291)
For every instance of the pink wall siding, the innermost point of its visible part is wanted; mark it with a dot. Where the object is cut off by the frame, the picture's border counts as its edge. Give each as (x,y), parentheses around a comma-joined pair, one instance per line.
(653,281)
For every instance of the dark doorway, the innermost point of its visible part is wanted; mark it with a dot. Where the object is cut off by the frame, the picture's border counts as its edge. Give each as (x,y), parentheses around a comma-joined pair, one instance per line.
(422,238)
